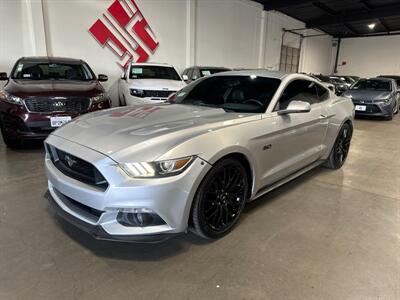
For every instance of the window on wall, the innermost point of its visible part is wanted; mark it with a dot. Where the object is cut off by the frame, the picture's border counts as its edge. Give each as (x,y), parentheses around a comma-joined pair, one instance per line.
(290,58)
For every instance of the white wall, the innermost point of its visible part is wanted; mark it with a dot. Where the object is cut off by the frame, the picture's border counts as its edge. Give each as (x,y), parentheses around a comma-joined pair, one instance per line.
(275,23)
(231,33)
(228,33)
(371,56)
(13,42)
(317,53)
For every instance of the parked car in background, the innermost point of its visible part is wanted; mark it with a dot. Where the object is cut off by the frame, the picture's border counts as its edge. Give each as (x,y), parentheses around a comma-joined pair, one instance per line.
(346,79)
(355,78)
(395,77)
(43,93)
(148,83)
(196,72)
(375,97)
(327,84)
(152,171)
(340,85)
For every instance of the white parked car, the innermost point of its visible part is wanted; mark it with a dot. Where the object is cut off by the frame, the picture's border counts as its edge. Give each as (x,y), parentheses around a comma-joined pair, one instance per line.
(148,83)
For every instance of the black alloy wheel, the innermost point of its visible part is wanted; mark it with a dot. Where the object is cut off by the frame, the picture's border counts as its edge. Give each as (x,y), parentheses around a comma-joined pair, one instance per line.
(220,199)
(341,148)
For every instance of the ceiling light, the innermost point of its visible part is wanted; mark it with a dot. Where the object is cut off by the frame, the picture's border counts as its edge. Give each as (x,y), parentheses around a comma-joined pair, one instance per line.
(371,26)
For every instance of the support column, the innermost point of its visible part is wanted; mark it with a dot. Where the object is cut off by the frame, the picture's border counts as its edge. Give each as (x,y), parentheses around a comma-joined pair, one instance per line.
(191,32)
(263,33)
(35,27)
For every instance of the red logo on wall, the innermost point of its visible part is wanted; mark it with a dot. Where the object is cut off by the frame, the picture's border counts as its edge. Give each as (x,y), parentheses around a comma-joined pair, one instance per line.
(125,31)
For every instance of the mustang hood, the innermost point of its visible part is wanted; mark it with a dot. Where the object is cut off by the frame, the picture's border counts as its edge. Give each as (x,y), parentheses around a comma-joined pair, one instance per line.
(367,94)
(145,132)
(156,84)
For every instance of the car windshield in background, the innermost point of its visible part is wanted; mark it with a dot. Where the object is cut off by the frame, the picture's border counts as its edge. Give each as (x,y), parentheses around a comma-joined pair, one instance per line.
(246,94)
(27,70)
(153,72)
(379,85)
(344,79)
(206,72)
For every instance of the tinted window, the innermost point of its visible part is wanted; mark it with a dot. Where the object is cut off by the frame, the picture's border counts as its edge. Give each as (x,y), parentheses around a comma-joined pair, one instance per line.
(372,84)
(190,73)
(298,90)
(232,93)
(322,92)
(51,70)
(153,72)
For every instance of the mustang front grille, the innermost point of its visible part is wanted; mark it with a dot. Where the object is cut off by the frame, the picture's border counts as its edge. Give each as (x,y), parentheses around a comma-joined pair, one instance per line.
(76,168)
(43,104)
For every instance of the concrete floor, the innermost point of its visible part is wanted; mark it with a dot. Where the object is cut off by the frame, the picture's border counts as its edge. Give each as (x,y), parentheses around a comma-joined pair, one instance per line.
(328,235)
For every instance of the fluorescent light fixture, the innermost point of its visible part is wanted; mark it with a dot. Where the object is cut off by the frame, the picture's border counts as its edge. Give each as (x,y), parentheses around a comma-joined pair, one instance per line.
(371,26)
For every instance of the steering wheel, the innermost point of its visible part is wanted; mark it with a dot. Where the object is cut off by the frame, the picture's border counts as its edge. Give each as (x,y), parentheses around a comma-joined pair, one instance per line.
(254,101)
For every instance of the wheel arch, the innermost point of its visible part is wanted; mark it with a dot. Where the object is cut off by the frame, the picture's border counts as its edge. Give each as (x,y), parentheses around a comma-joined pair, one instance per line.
(247,162)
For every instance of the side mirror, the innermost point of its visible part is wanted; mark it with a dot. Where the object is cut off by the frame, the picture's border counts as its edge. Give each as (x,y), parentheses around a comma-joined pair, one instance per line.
(194,78)
(185,77)
(3,76)
(123,76)
(296,107)
(102,77)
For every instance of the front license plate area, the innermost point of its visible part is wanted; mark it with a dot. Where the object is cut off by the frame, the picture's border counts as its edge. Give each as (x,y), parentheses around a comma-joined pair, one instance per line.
(361,108)
(59,121)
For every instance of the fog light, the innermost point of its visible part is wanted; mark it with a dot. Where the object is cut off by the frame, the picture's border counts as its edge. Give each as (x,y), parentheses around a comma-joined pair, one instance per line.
(139,218)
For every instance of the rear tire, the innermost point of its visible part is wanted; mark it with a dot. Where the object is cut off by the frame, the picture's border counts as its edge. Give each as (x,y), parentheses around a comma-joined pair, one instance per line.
(340,149)
(220,199)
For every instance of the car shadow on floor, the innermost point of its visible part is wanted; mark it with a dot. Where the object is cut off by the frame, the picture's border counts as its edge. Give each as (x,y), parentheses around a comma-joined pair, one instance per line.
(174,246)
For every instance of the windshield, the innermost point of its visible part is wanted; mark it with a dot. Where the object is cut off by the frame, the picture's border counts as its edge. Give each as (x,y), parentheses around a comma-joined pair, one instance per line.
(247,94)
(27,70)
(368,84)
(210,71)
(153,72)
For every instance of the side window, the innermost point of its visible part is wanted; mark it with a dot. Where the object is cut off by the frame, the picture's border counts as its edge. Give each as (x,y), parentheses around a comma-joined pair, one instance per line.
(195,74)
(298,90)
(323,93)
(190,73)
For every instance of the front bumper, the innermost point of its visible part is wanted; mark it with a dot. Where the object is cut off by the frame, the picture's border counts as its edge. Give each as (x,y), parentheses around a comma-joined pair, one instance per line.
(132,100)
(20,123)
(377,109)
(99,233)
(170,197)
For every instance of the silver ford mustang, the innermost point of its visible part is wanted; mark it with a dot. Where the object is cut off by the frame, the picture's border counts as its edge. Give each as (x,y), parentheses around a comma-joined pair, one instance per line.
(147,173)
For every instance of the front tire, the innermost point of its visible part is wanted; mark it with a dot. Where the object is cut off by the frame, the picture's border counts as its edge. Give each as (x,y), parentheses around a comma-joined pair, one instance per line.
(340,149)
(11,142)
(396,108)
(220,199)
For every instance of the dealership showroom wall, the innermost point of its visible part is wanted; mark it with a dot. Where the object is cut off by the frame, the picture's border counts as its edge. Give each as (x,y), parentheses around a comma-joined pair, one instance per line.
(122,175)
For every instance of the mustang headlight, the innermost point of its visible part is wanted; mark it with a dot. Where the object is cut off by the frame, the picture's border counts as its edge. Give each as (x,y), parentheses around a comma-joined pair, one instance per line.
(99,98)
(158,168)
(10,98)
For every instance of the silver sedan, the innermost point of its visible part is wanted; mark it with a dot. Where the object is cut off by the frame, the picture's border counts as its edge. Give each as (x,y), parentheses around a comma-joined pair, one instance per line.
(375,97)
(147,173)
